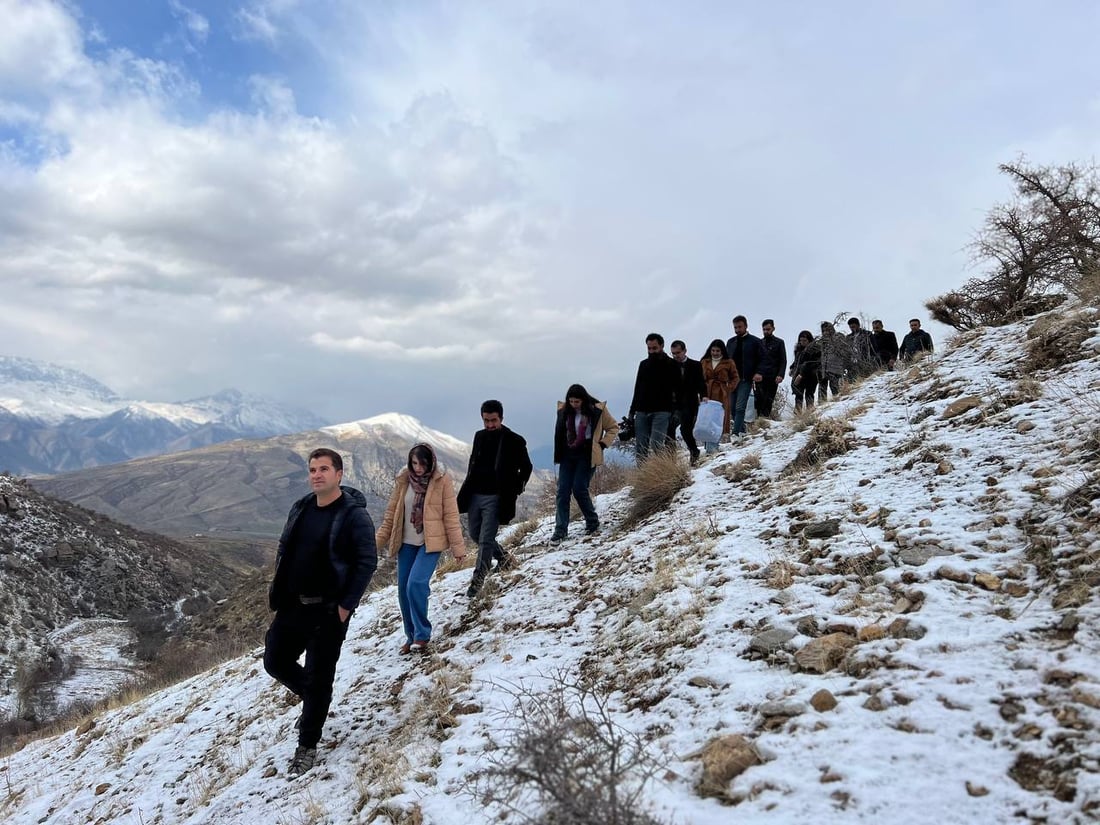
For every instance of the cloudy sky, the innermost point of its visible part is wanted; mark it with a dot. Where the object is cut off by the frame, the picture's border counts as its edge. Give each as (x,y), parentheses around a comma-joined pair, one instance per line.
(364,206)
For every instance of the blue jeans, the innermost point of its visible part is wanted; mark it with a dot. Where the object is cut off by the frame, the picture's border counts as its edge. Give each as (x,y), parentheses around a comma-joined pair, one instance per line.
(484,524)
(739,401)
(650,432)
(574,475)
(415,567)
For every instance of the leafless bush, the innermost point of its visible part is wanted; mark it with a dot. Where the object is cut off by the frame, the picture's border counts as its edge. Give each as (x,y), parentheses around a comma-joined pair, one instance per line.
(567,761)
(740,470)
(609,478)
(1038,248)
(828,438)
(656,480)
(1055,339)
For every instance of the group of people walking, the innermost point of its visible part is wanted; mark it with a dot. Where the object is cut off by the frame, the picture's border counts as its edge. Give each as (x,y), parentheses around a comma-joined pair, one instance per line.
(669,389)
(327,553)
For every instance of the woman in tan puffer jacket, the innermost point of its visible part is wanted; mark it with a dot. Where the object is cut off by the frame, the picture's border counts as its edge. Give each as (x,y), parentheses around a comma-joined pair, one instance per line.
(421,521)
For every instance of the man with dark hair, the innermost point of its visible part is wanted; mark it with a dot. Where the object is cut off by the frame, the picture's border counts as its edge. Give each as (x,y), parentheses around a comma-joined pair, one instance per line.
(656,388)
(885,344)
(771,369)
(916,341)
(862,347)
(325,561)
(692,389)
(498,471)
(744,350)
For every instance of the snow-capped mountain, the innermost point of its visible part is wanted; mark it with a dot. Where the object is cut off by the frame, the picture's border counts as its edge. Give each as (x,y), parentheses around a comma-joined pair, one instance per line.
(54,419)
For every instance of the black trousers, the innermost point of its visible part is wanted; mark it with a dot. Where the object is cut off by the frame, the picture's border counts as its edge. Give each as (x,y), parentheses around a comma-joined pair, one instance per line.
(804,392)
(685,419)
(765,397)
(318,631)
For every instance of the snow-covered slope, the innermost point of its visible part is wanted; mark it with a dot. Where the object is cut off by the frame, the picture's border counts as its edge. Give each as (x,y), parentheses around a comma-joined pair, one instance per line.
(402,428)
(902,623)
(54,419)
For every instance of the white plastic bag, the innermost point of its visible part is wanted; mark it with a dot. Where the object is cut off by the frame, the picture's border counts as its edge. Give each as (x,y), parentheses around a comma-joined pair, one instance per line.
(750,408)
(708,424)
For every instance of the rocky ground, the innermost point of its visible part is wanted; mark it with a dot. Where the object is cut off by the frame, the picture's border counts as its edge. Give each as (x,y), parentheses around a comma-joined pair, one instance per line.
(885,612)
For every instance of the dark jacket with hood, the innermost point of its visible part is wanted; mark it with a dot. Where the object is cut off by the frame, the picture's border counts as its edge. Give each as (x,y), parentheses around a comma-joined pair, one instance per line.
(351,550)
(513,468)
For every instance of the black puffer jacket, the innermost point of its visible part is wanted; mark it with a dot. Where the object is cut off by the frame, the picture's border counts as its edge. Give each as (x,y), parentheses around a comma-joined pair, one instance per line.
(351,550)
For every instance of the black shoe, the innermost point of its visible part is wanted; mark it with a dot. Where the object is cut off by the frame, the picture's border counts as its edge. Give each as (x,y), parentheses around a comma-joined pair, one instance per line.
(475,587)
(591,531)
(557,538)
(304,759)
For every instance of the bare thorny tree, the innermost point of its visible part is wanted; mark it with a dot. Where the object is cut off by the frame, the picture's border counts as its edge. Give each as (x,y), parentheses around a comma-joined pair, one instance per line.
(1038,248)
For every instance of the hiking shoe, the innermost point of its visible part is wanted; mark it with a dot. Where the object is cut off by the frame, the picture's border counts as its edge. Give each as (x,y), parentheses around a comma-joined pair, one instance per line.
(406,648)
(419,647)
(591,531)
(304,759)
(475,587)
(557,539)
(507,562)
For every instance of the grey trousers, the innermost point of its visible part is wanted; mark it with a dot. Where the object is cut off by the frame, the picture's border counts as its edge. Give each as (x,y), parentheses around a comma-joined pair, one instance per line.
(484,524)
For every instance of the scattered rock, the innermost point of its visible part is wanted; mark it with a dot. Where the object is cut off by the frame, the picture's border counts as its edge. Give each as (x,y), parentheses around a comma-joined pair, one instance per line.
(944,467)
(871,633)
(1033,773)
(925,522)
(1016,589)
(465,708)
(960,406)
(770,641)
(724,758)
(987,581)
(1060,677)
(824,653)
(1010,710)
(809,626)
(1024,426)
(902,628)
(85,726)
(875,703)
(102,788)
(919,554)
(702,682)
(823,700)
(270,771)
(822,529)
(953,574)
(788,709)
(976,790)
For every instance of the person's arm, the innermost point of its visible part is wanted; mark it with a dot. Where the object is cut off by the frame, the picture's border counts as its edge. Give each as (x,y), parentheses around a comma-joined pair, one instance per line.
(779,373)
(525,465)
(365,557)
(609,427)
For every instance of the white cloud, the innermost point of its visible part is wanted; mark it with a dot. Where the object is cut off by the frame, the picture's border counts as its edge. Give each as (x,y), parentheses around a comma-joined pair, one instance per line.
(198,27)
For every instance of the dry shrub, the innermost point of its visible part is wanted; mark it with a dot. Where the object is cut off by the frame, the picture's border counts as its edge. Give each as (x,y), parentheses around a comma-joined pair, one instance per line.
(829,437)
(567,760)
(609,478)
(738,471)
(1055,339)
(656,481)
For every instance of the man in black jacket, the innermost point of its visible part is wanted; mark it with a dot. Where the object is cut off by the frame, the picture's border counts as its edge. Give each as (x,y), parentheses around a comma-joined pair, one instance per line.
(744,349)
(916,341)
(862,346)
(655,397)
(498,471)
(771,369)
(325,561)
(886,345)
(692,390)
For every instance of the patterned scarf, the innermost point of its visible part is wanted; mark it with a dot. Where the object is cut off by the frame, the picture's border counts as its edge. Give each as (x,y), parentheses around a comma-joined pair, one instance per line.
(575,435)
(419,483)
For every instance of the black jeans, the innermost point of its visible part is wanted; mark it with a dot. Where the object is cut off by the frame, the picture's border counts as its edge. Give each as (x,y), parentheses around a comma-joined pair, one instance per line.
(317,630)
(804,392)
(686,420)
(765,396)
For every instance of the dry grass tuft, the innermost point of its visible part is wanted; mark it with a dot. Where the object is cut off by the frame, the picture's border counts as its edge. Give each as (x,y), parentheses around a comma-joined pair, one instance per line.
(610,478)
(738,471)
(1055,339)
(656,481)
(829,437)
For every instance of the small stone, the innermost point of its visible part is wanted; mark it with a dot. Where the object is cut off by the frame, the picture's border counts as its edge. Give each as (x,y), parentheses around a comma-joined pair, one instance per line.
(841,627)
(702,682)
(102,788)
(724,758)
(85,726)
(1010,710)
(944,467)
(269,772)
(823,700)
(770,641)
(960,406)
(871,633)
(1024,426)
(953,574)
(1069,622)
(1060,677)
(1016,589)
(976,790)
(824,653)
(822,529)
(445,720)
(925,522)
(808,626)
(831,776)
(902,628)
(919,554)
(769,709)
(465,708)
(987,581)
(875,703)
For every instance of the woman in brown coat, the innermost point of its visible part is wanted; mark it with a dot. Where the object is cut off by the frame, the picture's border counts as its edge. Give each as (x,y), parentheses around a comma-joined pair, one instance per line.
(720,375)
(421,521)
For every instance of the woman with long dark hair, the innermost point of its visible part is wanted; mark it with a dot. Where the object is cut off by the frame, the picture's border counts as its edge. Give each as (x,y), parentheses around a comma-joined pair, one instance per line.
(584,429)
(421,521)
(804,368)
(721,378)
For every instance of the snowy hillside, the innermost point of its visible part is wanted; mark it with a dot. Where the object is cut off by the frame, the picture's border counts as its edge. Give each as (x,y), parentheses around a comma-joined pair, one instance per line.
(884,615)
